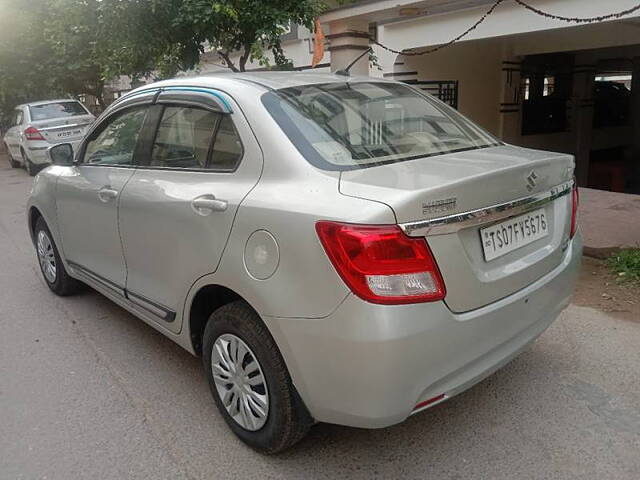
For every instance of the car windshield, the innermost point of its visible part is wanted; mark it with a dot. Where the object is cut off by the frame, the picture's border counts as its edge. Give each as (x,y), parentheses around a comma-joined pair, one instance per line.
(56,110)
(340,126)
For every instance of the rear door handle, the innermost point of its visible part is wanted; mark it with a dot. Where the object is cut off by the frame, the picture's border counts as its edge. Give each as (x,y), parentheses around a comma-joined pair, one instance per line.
(106,194)
(205,204)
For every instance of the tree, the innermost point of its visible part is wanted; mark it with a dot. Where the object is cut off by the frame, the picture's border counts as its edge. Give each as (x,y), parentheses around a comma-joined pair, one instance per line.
(73,47)
(98,40)
(250,27)
(24,56)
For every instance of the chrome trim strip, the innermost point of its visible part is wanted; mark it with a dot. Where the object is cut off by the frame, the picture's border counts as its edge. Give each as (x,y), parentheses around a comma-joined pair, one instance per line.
(64,127)
(458,221)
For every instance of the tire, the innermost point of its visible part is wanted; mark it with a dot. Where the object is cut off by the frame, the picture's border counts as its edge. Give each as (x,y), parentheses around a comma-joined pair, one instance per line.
(59,282)
(12,162)
(28,165)
(287,420)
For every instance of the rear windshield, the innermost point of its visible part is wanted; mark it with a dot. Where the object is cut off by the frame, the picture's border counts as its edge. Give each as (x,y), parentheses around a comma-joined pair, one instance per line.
(343,126)
(56,110)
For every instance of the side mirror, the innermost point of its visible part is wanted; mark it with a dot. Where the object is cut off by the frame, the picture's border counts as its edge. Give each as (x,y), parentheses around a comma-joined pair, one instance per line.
(61,154)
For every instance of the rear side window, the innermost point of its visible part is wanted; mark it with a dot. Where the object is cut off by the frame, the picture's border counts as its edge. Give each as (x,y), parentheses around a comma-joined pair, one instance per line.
(56,110)
(184,138)
(227,149)
(115,144)
(194,138)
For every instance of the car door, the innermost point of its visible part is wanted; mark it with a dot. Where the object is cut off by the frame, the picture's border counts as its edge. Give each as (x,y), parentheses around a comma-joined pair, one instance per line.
(88,195)
(12,137)
(177,210)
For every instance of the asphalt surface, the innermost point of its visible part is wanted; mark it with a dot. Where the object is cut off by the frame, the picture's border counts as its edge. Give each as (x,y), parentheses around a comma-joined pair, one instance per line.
(89,391)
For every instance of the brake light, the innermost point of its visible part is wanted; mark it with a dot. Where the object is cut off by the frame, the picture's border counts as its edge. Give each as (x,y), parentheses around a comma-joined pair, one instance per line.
(33,133)
(381,264)
(575,201)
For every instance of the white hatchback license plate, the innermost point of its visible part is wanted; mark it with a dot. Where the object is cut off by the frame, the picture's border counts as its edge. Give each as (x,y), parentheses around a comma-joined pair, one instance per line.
(69,133)
(505,237)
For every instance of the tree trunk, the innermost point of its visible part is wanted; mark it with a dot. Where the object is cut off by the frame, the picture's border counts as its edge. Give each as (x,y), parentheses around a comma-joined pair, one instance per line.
(227,60)
(245,57)
(101,102)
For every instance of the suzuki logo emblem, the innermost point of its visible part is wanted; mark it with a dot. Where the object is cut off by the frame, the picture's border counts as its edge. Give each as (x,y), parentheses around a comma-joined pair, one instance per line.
(531,180)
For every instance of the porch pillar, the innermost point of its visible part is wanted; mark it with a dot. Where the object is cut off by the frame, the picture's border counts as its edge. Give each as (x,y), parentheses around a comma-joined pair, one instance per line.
(510,100)
(347,40)
(582,113)
(635,121)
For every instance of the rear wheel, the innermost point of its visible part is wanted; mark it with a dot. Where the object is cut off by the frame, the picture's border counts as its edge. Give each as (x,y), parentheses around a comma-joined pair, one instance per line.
(51,266)
(28,164)
(250,382)
(12,162)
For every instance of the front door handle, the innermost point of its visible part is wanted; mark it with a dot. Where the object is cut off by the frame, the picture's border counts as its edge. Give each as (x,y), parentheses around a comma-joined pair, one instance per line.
(205,204)
(106,194)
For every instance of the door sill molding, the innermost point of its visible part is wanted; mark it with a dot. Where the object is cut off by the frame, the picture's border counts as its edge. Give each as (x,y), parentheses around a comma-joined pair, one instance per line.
(158,311)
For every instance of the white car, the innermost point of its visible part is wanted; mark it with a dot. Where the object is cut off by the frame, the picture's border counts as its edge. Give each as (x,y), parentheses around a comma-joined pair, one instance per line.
(39,125)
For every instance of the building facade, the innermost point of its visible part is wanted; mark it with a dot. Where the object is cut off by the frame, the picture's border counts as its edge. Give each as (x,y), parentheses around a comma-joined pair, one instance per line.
(530,79)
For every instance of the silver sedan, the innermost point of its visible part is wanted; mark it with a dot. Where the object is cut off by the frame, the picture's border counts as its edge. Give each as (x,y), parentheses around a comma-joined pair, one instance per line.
(336,249)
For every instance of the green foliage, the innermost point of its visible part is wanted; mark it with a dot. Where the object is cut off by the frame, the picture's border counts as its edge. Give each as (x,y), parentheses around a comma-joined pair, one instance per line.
(71,47)
(626,264)
(24,74)
(250,27)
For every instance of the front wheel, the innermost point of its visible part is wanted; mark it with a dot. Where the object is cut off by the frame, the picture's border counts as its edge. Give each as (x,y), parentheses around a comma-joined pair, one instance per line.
(12,162)
(51,266)
(250,382)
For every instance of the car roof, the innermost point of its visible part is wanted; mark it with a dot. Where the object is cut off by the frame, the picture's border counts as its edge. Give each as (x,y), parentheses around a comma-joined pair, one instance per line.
(283,79)
(267,80)
(46,102)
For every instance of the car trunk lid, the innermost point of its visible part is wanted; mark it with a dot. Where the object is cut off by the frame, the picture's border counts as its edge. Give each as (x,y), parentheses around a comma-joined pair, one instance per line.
(68,129)
(452,185)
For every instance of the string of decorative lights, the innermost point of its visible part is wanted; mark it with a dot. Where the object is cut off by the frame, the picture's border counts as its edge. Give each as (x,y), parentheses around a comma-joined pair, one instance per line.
(444,45)
(599,18)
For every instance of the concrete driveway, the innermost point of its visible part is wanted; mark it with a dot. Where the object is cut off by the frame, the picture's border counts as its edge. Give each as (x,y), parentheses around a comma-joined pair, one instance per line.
(88,391)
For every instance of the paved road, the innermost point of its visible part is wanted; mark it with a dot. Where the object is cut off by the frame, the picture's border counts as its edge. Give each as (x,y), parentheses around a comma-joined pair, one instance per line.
(88,391)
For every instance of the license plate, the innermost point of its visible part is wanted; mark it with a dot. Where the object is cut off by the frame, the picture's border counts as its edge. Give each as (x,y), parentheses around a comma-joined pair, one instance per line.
(69,133)
(507,236)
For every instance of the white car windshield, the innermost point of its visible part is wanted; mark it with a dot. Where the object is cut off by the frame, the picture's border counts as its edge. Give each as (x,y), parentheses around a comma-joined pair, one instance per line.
(356,125)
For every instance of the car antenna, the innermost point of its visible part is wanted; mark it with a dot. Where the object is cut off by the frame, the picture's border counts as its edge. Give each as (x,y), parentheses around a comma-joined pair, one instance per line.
(345,71)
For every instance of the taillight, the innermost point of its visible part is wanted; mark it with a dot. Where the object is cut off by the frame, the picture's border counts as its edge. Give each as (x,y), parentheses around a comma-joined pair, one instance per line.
(381,264)
(33,133)
(575,201)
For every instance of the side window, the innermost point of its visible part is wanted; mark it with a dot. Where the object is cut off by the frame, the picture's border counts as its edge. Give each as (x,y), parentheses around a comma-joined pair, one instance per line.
(227,148)
(116,143)
(17,119)
(184,138)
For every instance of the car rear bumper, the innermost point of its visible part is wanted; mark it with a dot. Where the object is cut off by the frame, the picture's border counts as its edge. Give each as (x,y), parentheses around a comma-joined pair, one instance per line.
(369,365)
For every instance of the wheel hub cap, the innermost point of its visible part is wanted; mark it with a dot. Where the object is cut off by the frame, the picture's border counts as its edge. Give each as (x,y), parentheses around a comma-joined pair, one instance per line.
(46,257)
(240,382)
